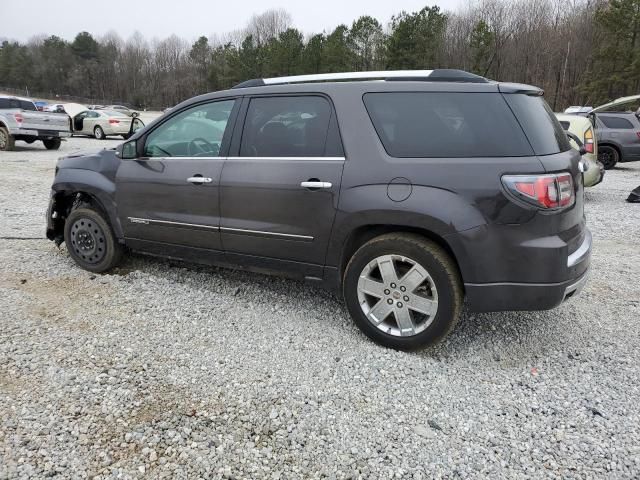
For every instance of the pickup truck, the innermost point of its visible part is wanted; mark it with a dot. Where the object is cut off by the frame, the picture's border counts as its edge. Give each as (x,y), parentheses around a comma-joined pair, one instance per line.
(21,120)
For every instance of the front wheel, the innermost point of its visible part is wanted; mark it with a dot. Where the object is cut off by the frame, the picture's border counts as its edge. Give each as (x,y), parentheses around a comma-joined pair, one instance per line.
(7,141)
(98,133)
(52,144)
(90,240)
(403,291)
(608,156)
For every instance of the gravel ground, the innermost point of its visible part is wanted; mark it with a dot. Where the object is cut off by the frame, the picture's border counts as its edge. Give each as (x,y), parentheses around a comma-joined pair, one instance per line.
(167,370)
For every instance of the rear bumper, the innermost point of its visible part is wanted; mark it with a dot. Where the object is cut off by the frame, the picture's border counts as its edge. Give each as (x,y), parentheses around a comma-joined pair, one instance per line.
(503,296)
(39,133)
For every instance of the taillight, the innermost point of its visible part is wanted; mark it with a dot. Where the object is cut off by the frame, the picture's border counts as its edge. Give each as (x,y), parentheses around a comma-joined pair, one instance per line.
(588,141)
(638,134)
(113,121)
(18,117)
(549,191)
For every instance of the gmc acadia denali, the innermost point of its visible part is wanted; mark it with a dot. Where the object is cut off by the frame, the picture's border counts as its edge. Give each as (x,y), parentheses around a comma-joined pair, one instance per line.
(407,191)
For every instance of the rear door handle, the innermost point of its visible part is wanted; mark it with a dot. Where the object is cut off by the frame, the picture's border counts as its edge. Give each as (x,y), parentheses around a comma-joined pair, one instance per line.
(199,180)
(313,184)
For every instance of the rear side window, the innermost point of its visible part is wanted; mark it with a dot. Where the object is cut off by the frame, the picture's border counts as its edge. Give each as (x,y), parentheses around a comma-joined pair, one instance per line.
(616,122)
(446,124)
(296,126)
(539,123)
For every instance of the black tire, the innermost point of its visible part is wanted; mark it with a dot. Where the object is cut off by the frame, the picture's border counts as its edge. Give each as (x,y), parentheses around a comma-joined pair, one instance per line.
(90,240)
(440,267)
(52,144)
(98,133)
(608,156)
(7,141)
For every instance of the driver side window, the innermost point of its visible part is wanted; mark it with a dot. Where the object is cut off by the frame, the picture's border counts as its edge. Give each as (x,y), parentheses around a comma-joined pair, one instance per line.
(195,132)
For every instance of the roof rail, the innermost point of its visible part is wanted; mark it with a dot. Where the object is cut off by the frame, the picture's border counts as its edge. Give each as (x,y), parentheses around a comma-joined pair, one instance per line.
(438,75)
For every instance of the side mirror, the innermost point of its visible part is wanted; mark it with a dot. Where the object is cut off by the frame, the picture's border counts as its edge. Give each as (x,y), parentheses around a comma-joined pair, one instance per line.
(582,150)
(136,124)
(127,150)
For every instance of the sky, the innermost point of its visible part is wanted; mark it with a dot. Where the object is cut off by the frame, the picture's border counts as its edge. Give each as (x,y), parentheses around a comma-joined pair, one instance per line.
(188,19)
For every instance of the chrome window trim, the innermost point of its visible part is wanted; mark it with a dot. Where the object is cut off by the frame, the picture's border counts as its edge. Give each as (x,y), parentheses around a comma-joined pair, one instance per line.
(179,158)
(331,159)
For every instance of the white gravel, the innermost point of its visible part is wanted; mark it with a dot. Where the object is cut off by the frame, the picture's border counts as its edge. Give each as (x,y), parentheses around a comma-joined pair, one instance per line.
(175,371)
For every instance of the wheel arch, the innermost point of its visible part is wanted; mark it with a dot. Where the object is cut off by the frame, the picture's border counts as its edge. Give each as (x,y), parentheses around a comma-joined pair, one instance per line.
(363,233)
(609,143)
(75,185)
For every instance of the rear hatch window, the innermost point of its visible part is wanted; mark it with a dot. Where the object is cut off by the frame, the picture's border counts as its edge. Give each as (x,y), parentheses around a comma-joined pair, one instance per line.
(461,125)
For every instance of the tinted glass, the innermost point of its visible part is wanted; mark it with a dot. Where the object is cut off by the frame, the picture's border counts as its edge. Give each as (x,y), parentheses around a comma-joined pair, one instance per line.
(13,103)
(445,124)
(565,125)
(195,132)
(27,106)
(615,122)
(539,123)
(286,127)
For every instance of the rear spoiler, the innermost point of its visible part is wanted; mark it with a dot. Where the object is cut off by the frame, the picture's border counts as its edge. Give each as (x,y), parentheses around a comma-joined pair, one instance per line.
(520,88)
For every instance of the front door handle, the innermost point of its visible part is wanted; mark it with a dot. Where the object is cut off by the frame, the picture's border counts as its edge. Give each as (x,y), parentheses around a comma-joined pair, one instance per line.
(199,180)
(315,184)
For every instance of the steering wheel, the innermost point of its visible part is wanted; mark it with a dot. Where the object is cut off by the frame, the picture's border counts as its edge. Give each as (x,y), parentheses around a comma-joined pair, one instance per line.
(201,147)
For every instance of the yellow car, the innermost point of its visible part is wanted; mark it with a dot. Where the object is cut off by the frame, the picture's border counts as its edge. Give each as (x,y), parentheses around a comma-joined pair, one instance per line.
(582,135)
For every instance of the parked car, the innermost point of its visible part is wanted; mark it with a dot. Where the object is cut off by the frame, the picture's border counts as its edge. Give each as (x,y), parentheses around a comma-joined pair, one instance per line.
(399,194)
(40,105)
(581,131)
(55,108)
(121,108)
(21,120)
(100,123)
(617,131)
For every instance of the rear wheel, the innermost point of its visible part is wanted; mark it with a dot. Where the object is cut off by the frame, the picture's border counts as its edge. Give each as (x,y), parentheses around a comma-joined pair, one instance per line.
(7,141)
(52,144)
(608,156)
(403,291)
(90,240)
(98,132)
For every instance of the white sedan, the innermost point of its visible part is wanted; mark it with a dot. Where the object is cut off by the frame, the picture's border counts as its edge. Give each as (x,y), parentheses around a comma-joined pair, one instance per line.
(100,123)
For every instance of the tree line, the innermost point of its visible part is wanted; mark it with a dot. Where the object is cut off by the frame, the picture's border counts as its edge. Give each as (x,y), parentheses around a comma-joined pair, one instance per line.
(579,51)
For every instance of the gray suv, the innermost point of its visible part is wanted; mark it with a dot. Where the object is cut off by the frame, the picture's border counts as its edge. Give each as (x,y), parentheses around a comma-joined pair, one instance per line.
(406,194)
(618,135)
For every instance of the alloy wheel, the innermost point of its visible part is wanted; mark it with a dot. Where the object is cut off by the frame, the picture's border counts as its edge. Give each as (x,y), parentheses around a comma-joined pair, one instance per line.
(397,295)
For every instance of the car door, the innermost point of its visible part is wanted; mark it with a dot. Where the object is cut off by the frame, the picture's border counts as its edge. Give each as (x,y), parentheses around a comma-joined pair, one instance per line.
(167,198)
(279,187)
(90,121)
